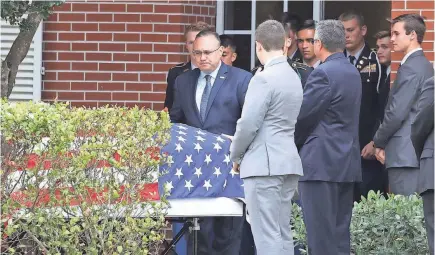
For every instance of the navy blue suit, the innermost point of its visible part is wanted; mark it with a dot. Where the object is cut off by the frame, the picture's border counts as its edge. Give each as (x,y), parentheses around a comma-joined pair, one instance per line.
(327,132)
(218,235)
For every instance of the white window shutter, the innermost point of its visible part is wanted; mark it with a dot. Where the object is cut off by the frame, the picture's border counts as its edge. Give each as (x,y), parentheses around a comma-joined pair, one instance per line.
(28,82)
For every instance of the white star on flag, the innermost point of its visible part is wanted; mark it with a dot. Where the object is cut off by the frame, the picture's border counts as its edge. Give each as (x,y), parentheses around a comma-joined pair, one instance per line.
(181,127)
(188,159)
(180,138)
(179,173)
(207,184)
(178,147)
(217,171)
(188,184)
(227,159)
(219,139)
(168,186)
(217,147)
(199,132)
(182,133)
(200,138)
(197,147)
(208,159)
(198,171)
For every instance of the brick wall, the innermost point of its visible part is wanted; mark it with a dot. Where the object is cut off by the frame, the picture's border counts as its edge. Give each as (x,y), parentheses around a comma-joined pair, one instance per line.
(425,8)
(98,52)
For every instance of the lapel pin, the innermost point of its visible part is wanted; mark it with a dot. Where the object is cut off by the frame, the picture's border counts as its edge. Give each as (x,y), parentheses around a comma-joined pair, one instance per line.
(361,62)
(358,66)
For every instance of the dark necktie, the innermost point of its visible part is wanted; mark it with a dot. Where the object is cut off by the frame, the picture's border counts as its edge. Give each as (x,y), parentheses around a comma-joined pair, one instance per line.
(352,59)
(205,96)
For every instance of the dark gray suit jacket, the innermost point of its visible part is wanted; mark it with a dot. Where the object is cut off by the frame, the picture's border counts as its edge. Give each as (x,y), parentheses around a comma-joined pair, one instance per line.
(422,135)
(394,134)
(327,125)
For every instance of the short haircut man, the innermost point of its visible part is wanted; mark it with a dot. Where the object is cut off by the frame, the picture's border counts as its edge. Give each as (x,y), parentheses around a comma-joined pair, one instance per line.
(229,54)
(383,47)
(412,23)
(306,43)
(328,119)
(270,35)
(191,31)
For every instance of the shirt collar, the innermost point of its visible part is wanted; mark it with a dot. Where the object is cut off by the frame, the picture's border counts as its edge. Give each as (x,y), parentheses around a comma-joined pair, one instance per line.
(357,54)
(270,60)
(409,54)
(388,70)
(212,74)
(193,66)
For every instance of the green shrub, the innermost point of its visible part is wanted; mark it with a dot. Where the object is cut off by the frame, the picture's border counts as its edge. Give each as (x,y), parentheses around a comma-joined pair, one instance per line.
(94,197)
(380,226)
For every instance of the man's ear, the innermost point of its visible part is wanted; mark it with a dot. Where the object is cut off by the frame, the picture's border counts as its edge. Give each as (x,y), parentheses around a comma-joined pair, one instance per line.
(364,30)
(233,57)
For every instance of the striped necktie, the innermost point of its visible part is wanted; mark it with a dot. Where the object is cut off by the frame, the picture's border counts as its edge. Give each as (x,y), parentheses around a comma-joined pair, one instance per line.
(204,98)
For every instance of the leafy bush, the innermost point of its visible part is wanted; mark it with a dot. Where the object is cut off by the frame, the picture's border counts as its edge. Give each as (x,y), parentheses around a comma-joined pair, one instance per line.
(80,181)
(380,226)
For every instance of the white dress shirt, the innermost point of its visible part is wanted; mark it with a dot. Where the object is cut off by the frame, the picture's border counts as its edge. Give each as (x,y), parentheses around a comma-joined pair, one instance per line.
(357,54)
(200,85)
(409,54)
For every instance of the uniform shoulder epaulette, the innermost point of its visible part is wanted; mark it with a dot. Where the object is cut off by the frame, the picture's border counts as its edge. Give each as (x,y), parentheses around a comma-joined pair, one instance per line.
(180,65)
(298,65)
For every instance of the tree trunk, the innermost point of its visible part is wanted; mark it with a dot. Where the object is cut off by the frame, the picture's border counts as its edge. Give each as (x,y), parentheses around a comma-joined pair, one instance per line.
(17,53)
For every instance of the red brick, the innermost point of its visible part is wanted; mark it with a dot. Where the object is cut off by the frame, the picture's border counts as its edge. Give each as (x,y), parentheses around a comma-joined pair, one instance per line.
(112,27)
(152,77)
(57,26)
(428,14)
(188,9)
(71,36)
(138,86)
(99,56)
(162,67)
(98,76)
(152,96)
(196,10)
(429,36)
(212,11)
(139,7)
(85,66)
(98,37)
(71,56)
(81,7)
(49,36)
(397,4)
(168,28)
(125,77)
(124,37)
(112,7)
(98,96)
(125,96)
(430,55)
(52,18)
(154,18)
(158,106)
(204,10)
(139,105)
(192,19)
(56,46)
(71,17)
(420,5)
(427,46)
(152,57)
(397,55)
(85,26)
(139,67)
(429,25)
(139,27)
(176,38)
(85,104)
(178,19)
(111,67)
(56,85)
(125,57)
(395,66)
(142,47)
(49,56)
(112,47)
(71,95)
(83,86)
(111,86)
(47,95)
(99,17)
(111,104)
(177,58)
(159,87)
(85,46)
(168,8)
(127,17)
(70,76)
(168,48)
(154,38)
(50,76)
(398,13)
(65,7)
(57,65)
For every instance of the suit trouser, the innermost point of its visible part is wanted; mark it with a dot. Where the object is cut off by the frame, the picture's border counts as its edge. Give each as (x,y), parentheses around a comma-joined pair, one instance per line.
(374,177)
(268,199)
(428,208)
(327,211)
(403,180)
(218,236)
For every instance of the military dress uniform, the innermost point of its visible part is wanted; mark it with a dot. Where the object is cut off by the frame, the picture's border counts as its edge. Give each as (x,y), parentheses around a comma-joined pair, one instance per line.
(172,75)
(372,170)
(297,57)
(302,70)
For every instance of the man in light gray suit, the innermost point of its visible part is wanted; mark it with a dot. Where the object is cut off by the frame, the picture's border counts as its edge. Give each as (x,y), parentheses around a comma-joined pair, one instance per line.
(327,132)
(423,140)
(393,137)
(263,144)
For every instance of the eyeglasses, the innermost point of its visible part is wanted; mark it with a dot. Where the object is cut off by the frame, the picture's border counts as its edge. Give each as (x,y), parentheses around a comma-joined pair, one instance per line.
(308,40)
(198,53)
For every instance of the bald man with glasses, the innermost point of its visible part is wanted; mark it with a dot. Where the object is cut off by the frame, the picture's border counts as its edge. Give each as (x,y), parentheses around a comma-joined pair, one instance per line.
(211,98)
